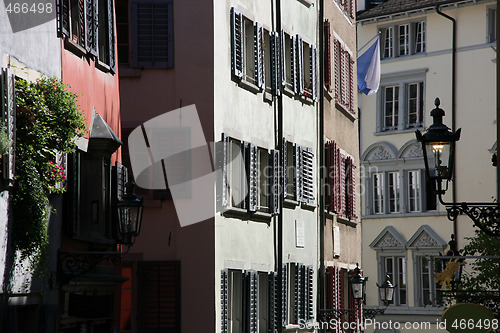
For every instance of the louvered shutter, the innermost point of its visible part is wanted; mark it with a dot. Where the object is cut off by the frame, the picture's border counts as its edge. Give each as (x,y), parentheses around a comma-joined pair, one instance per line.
(282,59)
(307,175)
(330,175)
(251,301)
(62,7)
(91,23)
(252,176)
(338,182)
(82,24)
(275,181)
(285,167)
(352,88)
(300,65)
(284,294)
(309,293)
(341,290)
(273,297)
(314,72)
(349,189)
(298,293)
(329,275)
(275,63)
(327,56)
(259,55)
(222,164)
(224,300)
(298,172)
(293,65)
(342,191)
(9,121)
(111,36)
(236,43)
(118,180)
(337,68)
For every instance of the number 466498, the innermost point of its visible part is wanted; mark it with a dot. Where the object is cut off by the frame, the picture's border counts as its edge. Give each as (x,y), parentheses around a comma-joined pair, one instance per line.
(28,8)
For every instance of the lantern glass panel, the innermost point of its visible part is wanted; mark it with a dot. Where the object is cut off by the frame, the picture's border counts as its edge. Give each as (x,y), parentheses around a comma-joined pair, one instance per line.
(357,290)
(438,155)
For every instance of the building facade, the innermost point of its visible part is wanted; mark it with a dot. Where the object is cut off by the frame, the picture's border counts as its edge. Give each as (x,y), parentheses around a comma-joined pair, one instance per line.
(404,225)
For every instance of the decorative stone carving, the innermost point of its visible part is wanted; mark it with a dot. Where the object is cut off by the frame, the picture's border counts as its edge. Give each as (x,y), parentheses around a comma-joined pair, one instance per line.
(425,240)
(380,154)
(389,241)
(415,151)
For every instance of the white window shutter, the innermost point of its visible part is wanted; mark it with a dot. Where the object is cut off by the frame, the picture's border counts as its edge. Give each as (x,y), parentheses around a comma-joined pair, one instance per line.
(282,59)
(284,294)
(307,175)
(300,65)
(236,43)
(9,121)
(309,285)
(259,55)
(293,65)
(275,63)
(314,72)
(284,174)
(251,290)
(297,158)
(252,177)
(224,300)
(275,181)
(222,154)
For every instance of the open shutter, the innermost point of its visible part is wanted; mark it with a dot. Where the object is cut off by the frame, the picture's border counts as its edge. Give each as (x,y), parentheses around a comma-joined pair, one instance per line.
(352,88)
(314,72)
(273,302)
(62,7)
(307,175)
(91,23)
(275,181)
(293,65)
(337,68)
(282,59)
(284,294)
(298,180)
(300,65)
(298,293)
(327,55)
(275,63)
(224,300)
(285,168)
(252,176)
(251,301)
(236,43)
(111,36)
(259,55)
(330,175)
(338,181)
(9,121)
(342,191)
(309,293)
(222,163)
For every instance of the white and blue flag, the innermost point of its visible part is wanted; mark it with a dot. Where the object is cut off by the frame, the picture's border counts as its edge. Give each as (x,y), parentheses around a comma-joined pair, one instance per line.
(369,69)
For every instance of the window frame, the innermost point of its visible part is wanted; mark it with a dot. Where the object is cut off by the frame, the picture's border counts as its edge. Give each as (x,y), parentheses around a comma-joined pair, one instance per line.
(491,13)
(395,256)
(419,280)
(401,39)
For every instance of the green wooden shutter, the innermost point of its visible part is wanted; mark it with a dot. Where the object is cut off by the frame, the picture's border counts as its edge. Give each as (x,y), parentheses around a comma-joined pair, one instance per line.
(282,59)
(284,294)
(251,301)
(236,43)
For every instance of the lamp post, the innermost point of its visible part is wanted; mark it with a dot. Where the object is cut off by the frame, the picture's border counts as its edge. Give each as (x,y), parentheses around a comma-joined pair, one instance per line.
(129,214)
(438,145)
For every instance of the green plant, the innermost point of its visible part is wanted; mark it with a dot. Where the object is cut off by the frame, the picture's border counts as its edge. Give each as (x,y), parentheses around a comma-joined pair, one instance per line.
(48,121)
(4,140)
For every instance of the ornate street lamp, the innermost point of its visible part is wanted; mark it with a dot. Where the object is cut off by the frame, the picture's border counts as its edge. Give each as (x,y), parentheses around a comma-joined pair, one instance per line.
(439,147)
(129,214)
(358,284)
(386,291)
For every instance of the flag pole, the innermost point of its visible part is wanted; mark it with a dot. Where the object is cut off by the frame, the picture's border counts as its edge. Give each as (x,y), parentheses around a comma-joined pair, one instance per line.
(362,47)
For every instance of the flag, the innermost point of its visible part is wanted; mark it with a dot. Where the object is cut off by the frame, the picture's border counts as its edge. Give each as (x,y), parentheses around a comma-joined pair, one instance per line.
(369,69)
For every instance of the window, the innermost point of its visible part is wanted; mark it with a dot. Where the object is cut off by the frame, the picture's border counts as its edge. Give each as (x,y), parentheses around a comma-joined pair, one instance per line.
(298,163)
(153,35)
(301,294)
(403,39)
(394,200)
(90,25)
(492,25)
(327,57)
(343,68)
(347,7)
(395,267)
(122,32)
(250,176)
(341,180)
(401,102)
(378,193)
(426,284)
(414,190)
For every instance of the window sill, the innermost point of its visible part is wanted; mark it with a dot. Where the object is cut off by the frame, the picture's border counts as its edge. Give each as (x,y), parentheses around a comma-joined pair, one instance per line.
(308,206)
(306,100)
(245,214)
(347,113)
(328,94)
(346,221)
(306,3)
(400,215)
(390,132)
(243,83)
(290,203)
(268,96)
(287,91)
(75,48)
(102,66)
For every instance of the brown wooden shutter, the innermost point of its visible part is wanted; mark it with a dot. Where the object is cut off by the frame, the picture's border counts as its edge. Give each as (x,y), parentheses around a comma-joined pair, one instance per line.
(337,69)
(158,296)
(352,87)
(327,56)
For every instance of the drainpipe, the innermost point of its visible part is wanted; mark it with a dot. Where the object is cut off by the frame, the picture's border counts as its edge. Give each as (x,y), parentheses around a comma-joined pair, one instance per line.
(321,144)
(453,103)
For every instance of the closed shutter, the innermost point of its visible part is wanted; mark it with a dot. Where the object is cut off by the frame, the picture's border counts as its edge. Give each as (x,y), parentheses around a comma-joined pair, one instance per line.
(91,24)
(330,175)
(293,65)
(158,296)
(329,276)
(342,186)
(284,295)
(337,68)
(9,121)
(338,181)
(314,73)
(344,78)
(307,175)
(282,59)
(300,65)
(82,24)
(251,301)
(111,36)
(275,63)
(252,176)
(224,300)
(298,172)
(259,55)
(298,293)
(275,181)
(285,168)
(341,291)
(273,302)
(62,7)
(352,88)
(309,285)
(222,153)
(327,56)
(236,43)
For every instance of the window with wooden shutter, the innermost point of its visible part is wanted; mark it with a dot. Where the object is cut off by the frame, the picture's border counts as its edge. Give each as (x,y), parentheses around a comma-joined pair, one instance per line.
(275,193)
(251,301)
(273,298)
(294,64)
(337,69)
(119,179)
(309,301)
(298,292)
(282,58)
(284,294)
(236,43)
(352,88)
(63,18)
(259,55)
(314,73)
(300,65)
(251,168)
(159,301)
(276,59)
(8,118)
(327,55)
(91,27)
(153,33)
